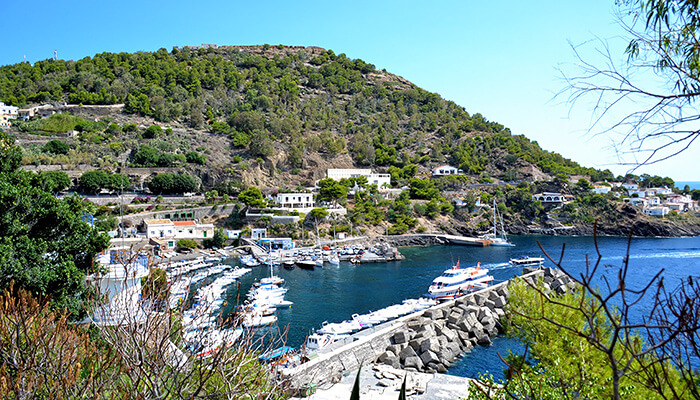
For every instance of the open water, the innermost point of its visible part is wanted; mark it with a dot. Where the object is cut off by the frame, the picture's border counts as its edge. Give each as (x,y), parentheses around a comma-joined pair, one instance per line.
(335,293)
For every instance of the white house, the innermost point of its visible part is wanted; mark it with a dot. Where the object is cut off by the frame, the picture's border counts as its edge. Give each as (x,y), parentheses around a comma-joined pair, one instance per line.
(656,211)
(664,191)
(630,185)
(446,170)
(381,180)
(296,201)
(167,229)
(7,113)
(653,201)
(637,201)
(547,197)
(639,192)
(601,189)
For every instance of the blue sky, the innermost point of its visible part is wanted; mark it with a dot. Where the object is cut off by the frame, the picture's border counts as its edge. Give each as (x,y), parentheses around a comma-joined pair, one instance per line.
(496,58)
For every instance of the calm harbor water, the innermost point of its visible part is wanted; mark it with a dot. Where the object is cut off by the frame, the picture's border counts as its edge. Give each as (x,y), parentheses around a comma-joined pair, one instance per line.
(335,293)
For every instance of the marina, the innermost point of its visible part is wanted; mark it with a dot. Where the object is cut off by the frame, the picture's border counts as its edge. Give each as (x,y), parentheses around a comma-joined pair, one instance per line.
(335,294)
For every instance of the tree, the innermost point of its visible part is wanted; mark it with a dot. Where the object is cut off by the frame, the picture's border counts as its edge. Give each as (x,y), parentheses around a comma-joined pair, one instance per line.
(331,190)
(659,81)
(56,146)
(10,155)
(45,246)
(252,197)
(52,181)
(172,183)
(94,181)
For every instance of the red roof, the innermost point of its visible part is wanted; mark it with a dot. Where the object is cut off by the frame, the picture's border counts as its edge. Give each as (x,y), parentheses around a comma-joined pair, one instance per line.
(184,223)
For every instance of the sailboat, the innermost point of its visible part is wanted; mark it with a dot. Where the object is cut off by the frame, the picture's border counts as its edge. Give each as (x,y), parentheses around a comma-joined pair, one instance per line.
(494,238)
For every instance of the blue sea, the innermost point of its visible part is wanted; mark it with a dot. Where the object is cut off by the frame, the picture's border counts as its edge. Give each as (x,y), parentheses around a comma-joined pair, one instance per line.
(335,293)
(692,184)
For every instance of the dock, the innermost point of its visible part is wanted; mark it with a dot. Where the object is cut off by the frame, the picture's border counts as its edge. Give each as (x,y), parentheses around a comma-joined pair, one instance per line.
(436,238)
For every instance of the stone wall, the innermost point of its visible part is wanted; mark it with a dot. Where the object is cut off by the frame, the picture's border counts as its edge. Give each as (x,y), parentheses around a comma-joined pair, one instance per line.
(427,341)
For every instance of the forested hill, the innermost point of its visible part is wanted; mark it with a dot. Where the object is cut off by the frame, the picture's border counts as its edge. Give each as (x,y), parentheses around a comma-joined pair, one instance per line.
(283,110)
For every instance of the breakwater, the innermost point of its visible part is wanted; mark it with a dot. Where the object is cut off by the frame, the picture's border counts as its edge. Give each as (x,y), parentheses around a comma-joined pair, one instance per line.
(426,341)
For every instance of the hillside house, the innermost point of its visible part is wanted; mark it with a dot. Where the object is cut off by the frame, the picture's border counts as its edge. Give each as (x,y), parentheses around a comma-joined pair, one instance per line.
(630,185)
(446,170)
(553,198)
(381,180)
(7,113)
(167,229)
(302,202)
(601,189)
(637,201)
(658,211)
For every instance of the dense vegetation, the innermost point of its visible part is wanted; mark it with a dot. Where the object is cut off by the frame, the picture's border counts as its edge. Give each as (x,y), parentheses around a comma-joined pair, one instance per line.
(306,100)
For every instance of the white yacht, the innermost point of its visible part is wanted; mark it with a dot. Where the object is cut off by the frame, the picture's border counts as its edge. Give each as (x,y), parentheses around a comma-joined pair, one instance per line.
(456,282)
(527,261)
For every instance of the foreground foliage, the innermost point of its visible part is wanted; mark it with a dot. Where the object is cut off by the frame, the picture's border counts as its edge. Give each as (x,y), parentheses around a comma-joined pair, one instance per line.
(42,355)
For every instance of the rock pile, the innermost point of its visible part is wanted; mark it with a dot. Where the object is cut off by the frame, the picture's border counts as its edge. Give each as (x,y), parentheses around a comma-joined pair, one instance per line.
(432,342)
(554,279)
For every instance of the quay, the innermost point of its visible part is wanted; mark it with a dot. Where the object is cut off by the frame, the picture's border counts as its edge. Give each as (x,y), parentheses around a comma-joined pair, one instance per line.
(434,238)
(423,342)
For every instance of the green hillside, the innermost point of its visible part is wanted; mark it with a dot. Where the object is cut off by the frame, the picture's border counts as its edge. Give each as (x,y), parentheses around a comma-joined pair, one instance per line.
(277,100)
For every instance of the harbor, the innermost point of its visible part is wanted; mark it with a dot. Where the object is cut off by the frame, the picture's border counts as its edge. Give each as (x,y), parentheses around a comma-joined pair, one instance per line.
(336,293)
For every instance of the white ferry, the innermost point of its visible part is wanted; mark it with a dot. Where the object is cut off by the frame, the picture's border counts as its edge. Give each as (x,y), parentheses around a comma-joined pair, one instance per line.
(456,282)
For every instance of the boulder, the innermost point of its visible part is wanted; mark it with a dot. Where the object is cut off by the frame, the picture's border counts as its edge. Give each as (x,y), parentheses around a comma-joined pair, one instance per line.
(394,348)
(400,337)
(500,302)
(429,357)
(431,344)
(484,340)
(382,357)
(484,313)
(480,298)
(413,362)
(391,360)
(449,334)
(473,309)
(490,304)
(503,291)
(455,348)
(433,314)
(415,324)
(407,353)
(415,343)
(446,355)
(528,270)
(442,341)
(500,313)
(425,331)
(441,369)
(455,316)
(476,329)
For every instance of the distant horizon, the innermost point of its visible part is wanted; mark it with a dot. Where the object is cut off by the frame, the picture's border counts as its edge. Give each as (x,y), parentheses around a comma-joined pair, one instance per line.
(501,61)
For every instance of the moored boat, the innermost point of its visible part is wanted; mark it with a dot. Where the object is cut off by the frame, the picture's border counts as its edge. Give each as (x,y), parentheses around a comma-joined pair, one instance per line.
(456,282)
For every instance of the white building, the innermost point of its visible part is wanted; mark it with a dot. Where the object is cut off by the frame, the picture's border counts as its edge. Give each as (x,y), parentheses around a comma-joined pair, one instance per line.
(631,185)
(637,201)
(296,201)
(167,229)
(639,192)
(7,113)
(446,170)
(381,180)
(552,198)
(656,211)
(601,189)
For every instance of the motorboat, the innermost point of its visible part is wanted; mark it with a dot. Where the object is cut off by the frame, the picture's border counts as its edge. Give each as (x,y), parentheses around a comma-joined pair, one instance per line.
(288,264)
(527,261)
(318,341)
(340,328)
(456,282)
(253,319)
(333,259)
(204,343)
(306,264)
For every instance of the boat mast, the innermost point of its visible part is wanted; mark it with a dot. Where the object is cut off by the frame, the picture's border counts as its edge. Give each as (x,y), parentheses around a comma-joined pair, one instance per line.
(495,234)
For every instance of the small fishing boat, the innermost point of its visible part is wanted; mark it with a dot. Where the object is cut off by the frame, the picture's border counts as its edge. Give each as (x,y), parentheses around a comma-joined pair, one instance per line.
(318,341)
(306,264)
